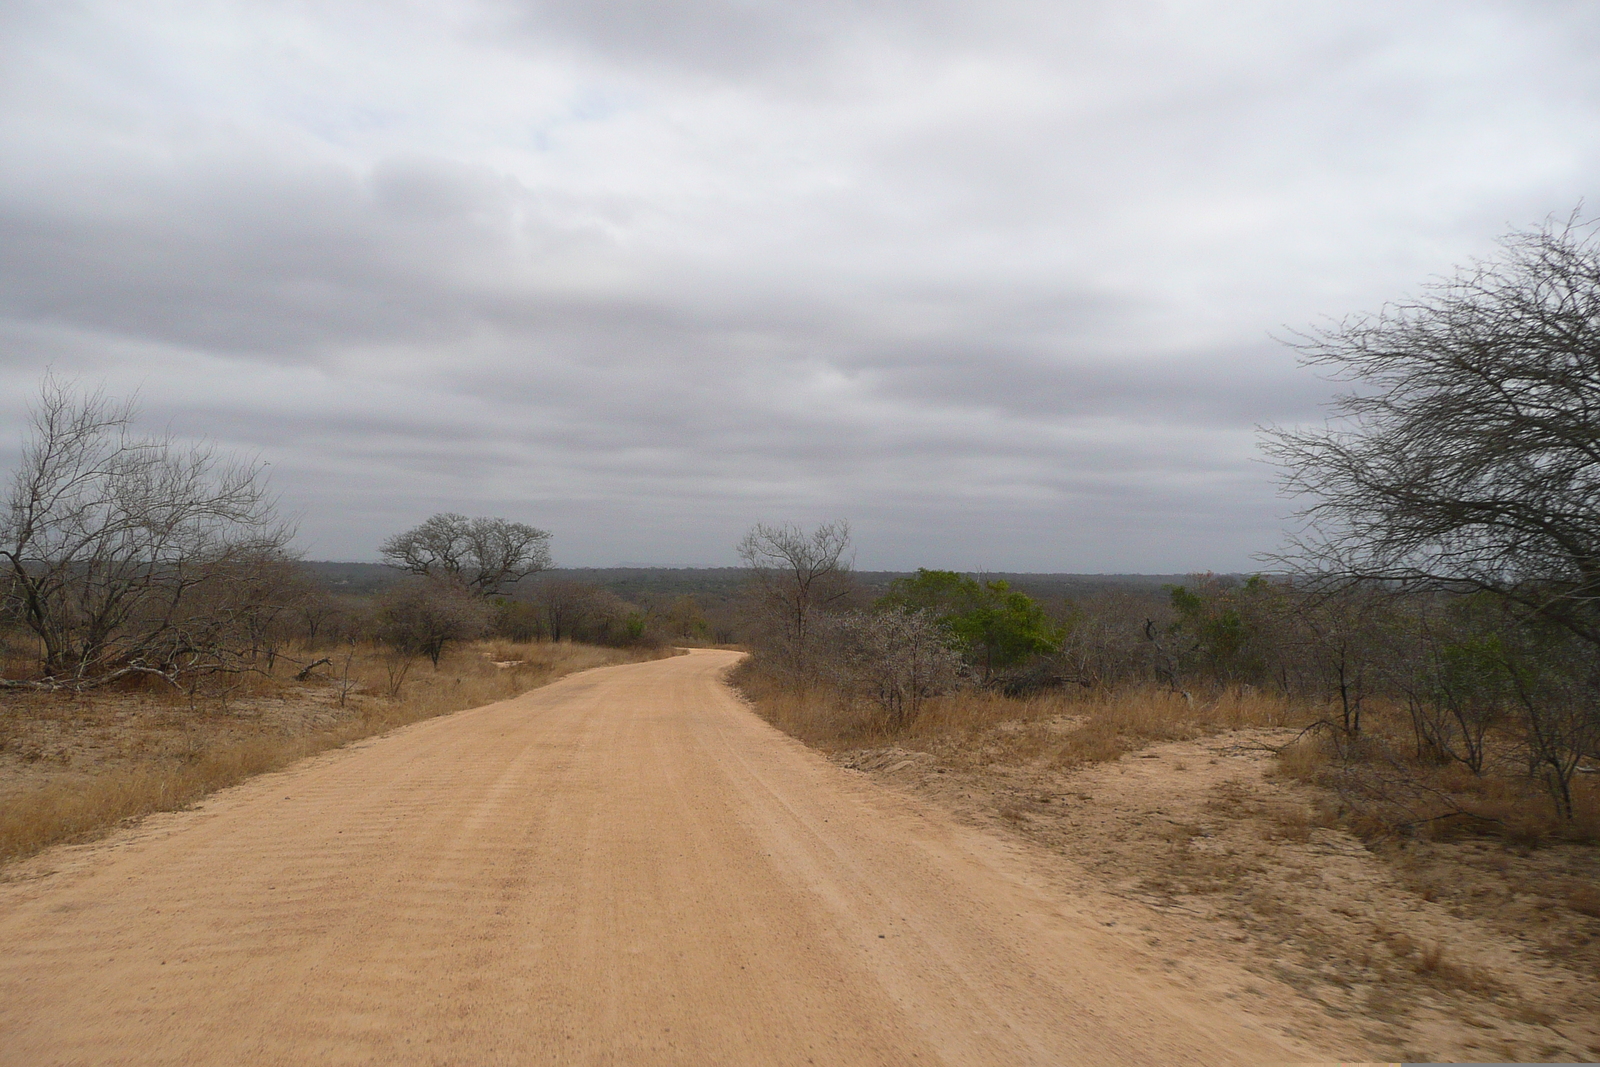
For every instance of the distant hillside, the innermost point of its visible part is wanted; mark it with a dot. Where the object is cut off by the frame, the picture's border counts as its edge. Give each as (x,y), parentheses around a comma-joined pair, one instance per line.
(359,578)
(653,585)
(1050,586)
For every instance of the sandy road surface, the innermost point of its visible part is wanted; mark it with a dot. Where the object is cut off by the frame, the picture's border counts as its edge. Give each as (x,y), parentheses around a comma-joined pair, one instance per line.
(624,867)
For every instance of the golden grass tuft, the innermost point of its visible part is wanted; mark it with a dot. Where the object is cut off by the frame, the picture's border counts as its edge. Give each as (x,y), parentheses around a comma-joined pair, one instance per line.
(1584,898)
(1433,963)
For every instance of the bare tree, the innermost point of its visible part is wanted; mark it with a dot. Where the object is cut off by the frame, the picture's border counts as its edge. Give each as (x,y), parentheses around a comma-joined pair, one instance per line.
(1467,459)
(581,611)
(897,658)
(564,605)
(1556,682)
(487,555)
(420,617)
(128,553)
(1106,642)
(1339,641)
(1468,452)
(795,576)
(315,609)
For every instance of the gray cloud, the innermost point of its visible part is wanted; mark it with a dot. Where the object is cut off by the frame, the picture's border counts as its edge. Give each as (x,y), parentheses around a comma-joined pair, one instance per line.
(996,281)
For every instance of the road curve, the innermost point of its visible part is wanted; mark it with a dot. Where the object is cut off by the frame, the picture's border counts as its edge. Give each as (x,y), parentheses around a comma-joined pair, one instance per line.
(625,867)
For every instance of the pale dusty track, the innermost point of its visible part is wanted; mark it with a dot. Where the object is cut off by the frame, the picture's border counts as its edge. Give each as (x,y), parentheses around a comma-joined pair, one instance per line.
(625,867)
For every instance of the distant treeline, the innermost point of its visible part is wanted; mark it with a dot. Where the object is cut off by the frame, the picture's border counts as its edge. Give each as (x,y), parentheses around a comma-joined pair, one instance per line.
(650,583)
(710,605)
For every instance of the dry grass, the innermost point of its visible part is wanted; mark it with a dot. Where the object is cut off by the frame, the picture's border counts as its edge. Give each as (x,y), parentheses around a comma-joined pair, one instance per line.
(1432,963)
(1060,729)
(1382,791)
(1375,790)
(477,674)
(71,768)
(56,811)
(1585,900)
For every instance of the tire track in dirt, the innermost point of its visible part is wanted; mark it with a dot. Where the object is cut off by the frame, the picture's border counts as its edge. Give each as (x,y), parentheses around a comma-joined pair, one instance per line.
(626,866)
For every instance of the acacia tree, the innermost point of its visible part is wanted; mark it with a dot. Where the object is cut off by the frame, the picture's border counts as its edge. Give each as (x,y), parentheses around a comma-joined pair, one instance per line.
(132,554)
(486,555)
(1468,453)
(794,577)
(1467,459)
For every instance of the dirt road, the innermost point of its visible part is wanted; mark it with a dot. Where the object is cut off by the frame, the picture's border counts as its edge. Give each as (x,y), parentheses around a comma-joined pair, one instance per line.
(625,867)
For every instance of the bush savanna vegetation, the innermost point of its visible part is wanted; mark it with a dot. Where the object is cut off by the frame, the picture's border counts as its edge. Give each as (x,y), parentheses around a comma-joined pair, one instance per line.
(1418,672)
(1434,626)
(1414,681)
(158,640)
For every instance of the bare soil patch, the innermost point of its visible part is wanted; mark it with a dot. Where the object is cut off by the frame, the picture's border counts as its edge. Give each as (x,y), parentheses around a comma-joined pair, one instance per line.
(1470,948)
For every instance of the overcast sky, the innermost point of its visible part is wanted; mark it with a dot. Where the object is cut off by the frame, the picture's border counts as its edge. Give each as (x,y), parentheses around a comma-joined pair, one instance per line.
(998,282)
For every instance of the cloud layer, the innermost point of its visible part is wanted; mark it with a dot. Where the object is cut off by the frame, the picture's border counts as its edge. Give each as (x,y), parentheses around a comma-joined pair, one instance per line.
(994,281)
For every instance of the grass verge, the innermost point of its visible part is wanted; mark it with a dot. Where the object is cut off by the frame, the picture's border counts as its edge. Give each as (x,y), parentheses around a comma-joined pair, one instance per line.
(1060,728)
(72,768)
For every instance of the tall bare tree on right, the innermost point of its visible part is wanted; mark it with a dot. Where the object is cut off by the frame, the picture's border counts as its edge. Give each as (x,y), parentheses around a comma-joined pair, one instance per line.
(1468,453)
(1466,459)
